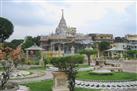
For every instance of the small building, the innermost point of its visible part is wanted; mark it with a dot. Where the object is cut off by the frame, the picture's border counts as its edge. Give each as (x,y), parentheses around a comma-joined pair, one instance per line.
(116,52)
(131,38)
(101,37)
(34,52)
(132,41)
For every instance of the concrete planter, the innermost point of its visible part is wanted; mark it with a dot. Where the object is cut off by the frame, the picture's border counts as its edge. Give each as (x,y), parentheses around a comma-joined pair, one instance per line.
(60,81)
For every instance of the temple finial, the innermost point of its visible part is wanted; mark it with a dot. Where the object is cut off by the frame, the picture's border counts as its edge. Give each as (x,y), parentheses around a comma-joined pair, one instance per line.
(62,12)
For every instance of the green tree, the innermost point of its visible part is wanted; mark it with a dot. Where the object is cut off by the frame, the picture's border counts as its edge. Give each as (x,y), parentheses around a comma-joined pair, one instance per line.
(132,54)
(68,64)
(37,40)
(14,43)
(103,46)
(6,29)
(88,52)
(28,42)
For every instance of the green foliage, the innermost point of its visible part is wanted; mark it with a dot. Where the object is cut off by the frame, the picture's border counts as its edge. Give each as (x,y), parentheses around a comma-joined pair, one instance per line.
(38,54)
(22,61)
(36,62)
(37,40)
(88,52)
(29,62)
(104,46)
(69,65)
(64,62)
(6,29)
(83,66)
(100,74)
(46,61)
(14,43)
(28,42)
(132,54)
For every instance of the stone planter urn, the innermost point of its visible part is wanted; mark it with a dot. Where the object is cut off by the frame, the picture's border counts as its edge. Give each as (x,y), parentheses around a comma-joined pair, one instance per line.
(60,81)
(100,63)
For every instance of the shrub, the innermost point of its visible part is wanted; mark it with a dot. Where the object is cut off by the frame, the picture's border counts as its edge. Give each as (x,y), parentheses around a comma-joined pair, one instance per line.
(68,64)
(94,73)
(64,62)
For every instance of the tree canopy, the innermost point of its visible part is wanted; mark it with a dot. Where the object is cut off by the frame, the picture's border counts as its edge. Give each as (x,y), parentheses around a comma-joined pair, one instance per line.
(6,29)
(104,46)
(29,41)
(88,52)
(14,43)
(132,54)
(63,63)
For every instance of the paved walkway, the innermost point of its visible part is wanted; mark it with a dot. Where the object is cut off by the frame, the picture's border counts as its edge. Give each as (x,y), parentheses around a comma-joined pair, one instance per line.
(35,79)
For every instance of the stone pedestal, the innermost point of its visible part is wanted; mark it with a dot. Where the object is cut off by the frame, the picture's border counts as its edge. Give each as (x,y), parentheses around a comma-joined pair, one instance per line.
(60,81)
(100,63)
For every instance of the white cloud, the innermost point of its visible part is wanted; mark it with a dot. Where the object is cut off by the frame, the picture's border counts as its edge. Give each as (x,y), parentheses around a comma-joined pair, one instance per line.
(80,13)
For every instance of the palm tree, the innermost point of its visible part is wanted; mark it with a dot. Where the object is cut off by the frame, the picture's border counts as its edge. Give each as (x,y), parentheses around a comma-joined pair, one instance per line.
(88,52)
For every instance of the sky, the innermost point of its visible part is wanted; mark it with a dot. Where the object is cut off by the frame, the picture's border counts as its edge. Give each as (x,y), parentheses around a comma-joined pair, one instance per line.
(41,17)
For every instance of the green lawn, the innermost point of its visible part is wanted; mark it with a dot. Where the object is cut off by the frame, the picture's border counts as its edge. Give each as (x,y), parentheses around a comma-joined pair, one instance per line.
(85,75)
(37,68)
(47,86)
(83,66)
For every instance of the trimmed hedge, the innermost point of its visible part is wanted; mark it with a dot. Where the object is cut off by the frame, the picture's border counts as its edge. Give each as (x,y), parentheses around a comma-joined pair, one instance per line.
(63,62)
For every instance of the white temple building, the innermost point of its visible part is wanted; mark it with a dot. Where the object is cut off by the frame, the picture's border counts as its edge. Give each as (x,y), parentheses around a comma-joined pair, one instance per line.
(65,39)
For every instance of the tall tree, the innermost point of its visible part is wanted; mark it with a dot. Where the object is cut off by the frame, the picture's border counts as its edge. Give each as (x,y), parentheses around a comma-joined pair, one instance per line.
(14,43)
(37,40)
(88,52)
(6,29)
(29,41)
(103,46)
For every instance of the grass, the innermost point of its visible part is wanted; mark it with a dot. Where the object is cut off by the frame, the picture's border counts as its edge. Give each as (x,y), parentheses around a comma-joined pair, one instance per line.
(86,75)
(37,68)
(1,69)
(83,66)
(47,86)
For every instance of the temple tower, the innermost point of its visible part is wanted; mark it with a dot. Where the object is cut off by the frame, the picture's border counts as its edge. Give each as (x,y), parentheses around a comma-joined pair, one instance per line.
(62,26)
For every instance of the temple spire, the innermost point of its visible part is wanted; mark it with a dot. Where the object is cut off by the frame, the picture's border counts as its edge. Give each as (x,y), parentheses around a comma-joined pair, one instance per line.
(62,26)
(62,10)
